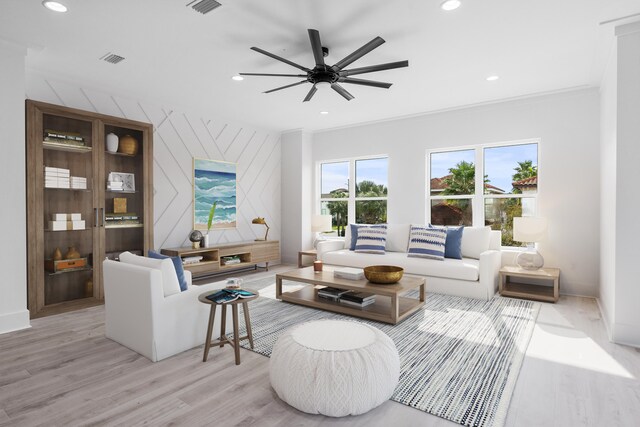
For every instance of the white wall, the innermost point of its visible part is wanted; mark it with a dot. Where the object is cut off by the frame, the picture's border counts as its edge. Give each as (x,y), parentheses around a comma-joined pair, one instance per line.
(297,194)
(178,137)
(568,126)
(13,217)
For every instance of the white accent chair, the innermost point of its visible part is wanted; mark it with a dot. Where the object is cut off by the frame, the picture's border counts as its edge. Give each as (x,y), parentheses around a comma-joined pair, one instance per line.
(140,317)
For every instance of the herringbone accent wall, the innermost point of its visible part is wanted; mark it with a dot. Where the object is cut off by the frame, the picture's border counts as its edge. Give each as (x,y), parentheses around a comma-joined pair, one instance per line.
(178,137)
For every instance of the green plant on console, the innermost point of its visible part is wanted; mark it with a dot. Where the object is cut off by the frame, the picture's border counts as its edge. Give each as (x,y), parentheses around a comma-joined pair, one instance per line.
(211,213)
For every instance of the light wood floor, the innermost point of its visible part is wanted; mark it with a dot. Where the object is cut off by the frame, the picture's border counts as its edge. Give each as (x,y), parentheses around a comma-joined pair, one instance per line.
(63,371)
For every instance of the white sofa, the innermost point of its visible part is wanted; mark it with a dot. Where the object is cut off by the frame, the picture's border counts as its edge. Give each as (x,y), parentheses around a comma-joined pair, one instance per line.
(466,277)
(140,317)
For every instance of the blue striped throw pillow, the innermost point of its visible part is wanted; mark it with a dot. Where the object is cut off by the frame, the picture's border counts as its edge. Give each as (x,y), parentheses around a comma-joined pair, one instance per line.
(425,242)
(372,239)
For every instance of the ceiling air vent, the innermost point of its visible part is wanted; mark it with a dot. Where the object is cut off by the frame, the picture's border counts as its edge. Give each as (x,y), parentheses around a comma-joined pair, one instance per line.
(204,6)
(112,58)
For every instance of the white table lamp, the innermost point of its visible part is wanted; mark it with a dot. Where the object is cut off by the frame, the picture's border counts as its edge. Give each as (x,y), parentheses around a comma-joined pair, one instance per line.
(320,224)
(529,229)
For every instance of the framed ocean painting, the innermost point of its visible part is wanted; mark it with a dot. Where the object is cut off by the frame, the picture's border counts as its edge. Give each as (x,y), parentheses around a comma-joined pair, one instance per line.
(214,181)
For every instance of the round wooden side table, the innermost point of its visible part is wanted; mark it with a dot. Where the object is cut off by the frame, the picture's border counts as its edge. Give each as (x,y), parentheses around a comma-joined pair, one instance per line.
(223,323)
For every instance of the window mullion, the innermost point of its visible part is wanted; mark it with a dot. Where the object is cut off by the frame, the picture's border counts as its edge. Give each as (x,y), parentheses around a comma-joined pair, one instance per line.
(478,200)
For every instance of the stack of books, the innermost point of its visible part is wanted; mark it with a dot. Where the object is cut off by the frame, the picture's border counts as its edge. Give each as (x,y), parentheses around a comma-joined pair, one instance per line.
(56,177)
(78,183)
(358,299)
(349,273)
(230,260)
(68,138)
(191,260)
(121,218)
(115,185)
(66,221)
(227,295)
(333,294)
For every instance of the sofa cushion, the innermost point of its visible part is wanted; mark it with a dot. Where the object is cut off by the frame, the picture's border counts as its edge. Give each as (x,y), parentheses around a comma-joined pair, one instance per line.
(475,240)
(461,269)
(170,283)
(397,237)
(177,264)
(372,239)
(427,242)
(453,244)
(351,234)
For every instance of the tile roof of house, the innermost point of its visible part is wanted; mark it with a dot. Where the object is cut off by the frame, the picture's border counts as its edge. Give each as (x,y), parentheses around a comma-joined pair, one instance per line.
(532,181)
(439,184)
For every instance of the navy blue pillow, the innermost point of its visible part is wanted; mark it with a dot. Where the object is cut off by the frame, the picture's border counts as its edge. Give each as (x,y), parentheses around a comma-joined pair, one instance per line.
(453,244)
(177,263)
(354,236)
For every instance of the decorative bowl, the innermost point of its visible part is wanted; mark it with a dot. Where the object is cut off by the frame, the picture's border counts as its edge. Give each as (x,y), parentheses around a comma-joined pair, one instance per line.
(128,145)
(383,274)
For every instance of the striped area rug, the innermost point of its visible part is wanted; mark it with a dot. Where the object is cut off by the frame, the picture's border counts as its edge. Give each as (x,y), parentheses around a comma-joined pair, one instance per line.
(459,357)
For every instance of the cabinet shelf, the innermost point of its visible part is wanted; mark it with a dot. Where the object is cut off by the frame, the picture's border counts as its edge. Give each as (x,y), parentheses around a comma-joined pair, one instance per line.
(124,226)
(68,271)
(120,154)
(47,145)
(78,190)
(62,231)
(121,192)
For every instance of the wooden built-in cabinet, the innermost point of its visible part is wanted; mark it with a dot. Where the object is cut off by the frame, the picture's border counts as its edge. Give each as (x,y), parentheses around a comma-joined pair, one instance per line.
(54,292)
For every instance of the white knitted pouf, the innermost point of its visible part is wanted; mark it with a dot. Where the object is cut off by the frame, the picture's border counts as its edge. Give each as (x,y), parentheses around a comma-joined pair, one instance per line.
(334,367)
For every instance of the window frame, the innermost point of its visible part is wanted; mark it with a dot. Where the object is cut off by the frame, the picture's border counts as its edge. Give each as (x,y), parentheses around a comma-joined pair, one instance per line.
(479,197)
(352,198)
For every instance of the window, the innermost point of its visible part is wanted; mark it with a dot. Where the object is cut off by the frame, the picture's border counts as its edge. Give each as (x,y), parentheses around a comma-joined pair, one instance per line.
(354,191)
(507,187)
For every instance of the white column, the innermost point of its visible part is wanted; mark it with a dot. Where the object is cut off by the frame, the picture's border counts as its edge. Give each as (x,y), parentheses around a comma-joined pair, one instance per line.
(13,217)
(626,329)
(297,194)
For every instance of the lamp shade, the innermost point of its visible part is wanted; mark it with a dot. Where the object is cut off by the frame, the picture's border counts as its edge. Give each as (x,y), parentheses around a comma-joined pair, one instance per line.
(529,229)
(321,223)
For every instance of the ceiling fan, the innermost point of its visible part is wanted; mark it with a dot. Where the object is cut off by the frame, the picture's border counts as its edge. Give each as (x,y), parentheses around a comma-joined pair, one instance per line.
(325,75)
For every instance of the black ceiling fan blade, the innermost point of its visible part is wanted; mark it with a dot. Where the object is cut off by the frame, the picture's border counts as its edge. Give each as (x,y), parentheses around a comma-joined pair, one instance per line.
(316,46)
(279,58)
(372,68)
(342,91)
(272,75)
(365,82)
(312,92)
(359,53)
(284,87)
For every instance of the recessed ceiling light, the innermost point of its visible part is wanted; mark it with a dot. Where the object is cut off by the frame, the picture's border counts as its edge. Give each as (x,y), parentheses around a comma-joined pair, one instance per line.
(237,78)
(492,78)
(324,113)
(450,4)
(55,6)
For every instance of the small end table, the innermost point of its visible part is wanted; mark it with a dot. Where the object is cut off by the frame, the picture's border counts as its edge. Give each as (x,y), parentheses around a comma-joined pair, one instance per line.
(530,291)
(223,323)
(310,252)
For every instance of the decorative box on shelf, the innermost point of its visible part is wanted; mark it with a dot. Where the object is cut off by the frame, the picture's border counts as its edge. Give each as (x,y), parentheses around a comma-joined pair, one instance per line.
(54,266)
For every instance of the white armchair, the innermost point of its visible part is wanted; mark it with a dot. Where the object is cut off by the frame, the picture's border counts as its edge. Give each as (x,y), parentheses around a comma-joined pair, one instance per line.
(140,317)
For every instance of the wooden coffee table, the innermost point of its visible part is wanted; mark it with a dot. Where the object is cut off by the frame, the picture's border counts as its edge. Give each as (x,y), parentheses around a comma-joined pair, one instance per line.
(389,307)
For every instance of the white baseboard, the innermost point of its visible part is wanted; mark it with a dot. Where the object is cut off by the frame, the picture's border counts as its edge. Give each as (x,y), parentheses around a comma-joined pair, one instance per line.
(15,321)
(605,319)
(619,333)
(626,334)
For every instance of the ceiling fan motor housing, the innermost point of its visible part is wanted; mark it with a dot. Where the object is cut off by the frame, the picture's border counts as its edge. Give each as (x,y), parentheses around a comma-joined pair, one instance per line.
(322,74)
